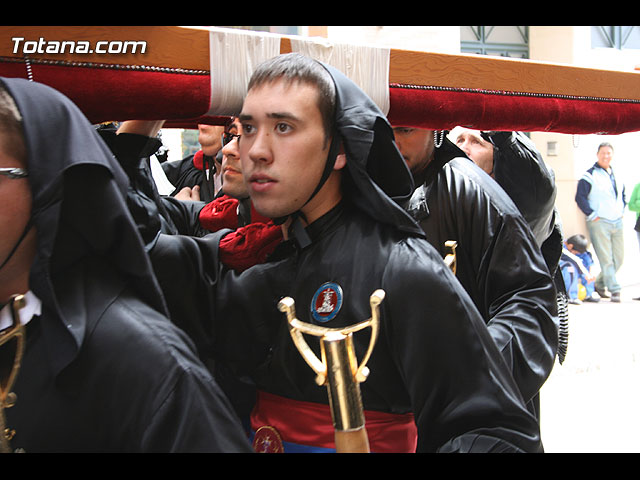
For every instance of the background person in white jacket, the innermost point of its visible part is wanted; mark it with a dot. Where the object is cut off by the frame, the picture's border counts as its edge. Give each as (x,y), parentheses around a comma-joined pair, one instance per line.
(602,199)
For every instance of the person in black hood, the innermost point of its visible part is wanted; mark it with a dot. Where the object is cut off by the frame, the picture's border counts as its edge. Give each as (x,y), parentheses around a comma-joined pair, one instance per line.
(514,162)
(498,260)
(329,171)
(104,370)
(512,159)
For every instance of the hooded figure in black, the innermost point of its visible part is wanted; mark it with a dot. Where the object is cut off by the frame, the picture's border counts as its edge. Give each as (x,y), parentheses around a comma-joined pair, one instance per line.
(104,370)
(437,381)
(498,262)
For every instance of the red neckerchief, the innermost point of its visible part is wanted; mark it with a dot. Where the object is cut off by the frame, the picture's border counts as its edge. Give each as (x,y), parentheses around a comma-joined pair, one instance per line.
(249,245)
(221,213)
(198,159)
(245,246)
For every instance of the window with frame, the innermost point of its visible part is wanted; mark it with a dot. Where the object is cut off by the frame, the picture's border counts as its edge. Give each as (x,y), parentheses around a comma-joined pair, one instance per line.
(619,37)
(497,40)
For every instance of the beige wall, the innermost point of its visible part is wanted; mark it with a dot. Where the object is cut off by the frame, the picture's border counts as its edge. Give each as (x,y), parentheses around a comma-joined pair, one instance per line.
(560,44)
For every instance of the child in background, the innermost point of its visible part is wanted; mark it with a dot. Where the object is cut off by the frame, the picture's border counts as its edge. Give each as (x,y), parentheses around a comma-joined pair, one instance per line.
(576,264)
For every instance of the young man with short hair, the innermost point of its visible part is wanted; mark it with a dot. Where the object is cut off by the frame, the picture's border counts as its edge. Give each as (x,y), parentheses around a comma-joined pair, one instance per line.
(331,173)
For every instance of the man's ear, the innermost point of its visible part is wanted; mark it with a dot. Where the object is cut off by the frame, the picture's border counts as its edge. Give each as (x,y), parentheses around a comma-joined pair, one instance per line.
(341,159)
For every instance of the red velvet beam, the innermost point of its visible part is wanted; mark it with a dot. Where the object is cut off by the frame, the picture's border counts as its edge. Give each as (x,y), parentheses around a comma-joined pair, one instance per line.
(106,94)
(446,108)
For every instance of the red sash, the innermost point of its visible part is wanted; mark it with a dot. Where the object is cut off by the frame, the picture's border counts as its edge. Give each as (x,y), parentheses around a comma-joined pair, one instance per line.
(306,423)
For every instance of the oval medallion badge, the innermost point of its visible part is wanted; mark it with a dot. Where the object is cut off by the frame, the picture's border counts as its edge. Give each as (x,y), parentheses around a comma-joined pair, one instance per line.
(267,440)
(326,302)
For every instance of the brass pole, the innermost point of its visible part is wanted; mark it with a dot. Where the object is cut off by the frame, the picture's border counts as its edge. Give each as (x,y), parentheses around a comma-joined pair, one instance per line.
(339,371)
(12,339)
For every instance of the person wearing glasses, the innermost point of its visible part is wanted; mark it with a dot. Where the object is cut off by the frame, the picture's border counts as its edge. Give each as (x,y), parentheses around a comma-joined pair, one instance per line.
(250,236)
(13,172)
(246,237)
(198,180)
(232,207)
(18,239)
(103,369)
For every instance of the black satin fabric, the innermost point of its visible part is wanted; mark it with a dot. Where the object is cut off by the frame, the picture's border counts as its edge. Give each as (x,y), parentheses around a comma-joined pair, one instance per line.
(520,170)
(522,173)
(183,173)
(499,263)
(153,213)
(378,180)
(434,356)
(104,369)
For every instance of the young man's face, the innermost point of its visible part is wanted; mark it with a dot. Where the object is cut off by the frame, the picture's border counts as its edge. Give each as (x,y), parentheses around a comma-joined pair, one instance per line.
(15,197)
(283,151)
(415,145)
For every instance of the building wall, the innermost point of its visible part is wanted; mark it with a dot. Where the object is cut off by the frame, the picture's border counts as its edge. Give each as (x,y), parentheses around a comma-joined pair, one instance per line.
(563,45)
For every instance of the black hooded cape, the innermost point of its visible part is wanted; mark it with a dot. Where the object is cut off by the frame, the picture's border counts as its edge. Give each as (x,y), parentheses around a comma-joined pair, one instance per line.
(498,262)
(104,370)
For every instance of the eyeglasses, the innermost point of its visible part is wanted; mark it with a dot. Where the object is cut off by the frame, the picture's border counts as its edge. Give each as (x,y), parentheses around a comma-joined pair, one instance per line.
(228,138)
(14,172)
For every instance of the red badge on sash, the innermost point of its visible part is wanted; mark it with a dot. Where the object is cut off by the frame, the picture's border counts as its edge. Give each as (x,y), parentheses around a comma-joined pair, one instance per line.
(267,440)
(326,302)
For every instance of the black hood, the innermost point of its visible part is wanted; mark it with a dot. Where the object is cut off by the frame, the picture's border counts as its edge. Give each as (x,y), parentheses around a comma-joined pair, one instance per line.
(382,182)
(79,211)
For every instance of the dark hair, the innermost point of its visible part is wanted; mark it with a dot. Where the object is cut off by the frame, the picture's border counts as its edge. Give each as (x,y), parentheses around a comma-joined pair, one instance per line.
(294,67)
(605,144)
(11,135)
(579,242)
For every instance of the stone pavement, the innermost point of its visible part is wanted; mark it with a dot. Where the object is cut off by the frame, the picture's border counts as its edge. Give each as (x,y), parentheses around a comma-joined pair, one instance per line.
(591,403)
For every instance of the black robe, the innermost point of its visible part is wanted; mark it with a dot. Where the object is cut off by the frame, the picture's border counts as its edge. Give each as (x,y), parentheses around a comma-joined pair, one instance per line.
(434,357)
(185,173)
(498,262)
(104,369)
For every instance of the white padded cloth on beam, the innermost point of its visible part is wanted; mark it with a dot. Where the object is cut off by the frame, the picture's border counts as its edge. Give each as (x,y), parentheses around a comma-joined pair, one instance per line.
(233,56)
(366,66)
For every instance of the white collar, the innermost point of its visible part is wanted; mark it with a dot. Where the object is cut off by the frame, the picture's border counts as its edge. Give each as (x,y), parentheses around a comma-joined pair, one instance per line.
(32,308)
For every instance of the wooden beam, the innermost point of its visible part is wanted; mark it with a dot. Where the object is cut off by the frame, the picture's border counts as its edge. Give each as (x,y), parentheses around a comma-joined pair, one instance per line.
(170,80)
(510,75)
(188,48)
